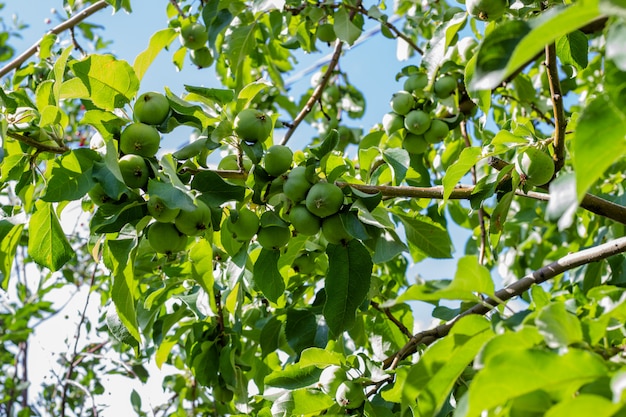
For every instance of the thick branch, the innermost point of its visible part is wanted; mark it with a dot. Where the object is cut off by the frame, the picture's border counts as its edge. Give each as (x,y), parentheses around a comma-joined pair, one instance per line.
(69,23)
(590,202)
(317,93)
(573,260)
(38,145)
(557,105)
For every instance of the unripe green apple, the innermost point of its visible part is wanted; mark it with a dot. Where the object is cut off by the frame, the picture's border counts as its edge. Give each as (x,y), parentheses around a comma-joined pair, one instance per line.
(201,57)
(437,131)
(334,231)
(194,222)
(252,125)
(331,94)
(392,122)
(140,139)
(98,196)
(160,211)
(278,159)
(331,377)
(402,102)
(273,237)
(417,122)
(350,394)
(304,264)
(324,199)
(486,9)
(535,167)
(166,238)
(244,225)
(416,83)
(296,185)
(326,33)
(151,108)
(445,86)
(193,35)
(134,171)
(303,221)
(415,144)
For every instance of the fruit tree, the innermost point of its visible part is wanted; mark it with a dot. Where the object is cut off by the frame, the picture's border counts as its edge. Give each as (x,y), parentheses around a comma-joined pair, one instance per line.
(272,262)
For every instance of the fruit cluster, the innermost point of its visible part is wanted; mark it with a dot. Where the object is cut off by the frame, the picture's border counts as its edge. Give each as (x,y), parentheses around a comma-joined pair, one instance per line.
(194,36)
(412,113)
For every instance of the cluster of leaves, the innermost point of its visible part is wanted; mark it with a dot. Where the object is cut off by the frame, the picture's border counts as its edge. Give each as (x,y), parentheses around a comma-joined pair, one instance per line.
(250,327)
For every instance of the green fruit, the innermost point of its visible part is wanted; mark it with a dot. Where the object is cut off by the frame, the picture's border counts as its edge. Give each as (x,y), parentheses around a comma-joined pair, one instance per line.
(304,264)
(392,122)
(449,14)
(486,9)
(160,211)
(437,131)
(402,102)
(331,94)
(252,125)
(303,221)
(535,167)
(445,86)
(350,394)
(331,377)
(151,108)
(193,35)
(166,238)
(278,159)
(201,57)
(98,196)
(415,83)
(194,222)
(296,185)
(229,163)
(140,139)
(273,237)
(326,33)
(134,171)
(417,122)
(324,199)
(415,144)
(244,225)
(334,231)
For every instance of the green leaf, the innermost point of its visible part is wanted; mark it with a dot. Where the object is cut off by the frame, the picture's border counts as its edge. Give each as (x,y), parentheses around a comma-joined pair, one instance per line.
(559,327)
(398,160)
(467,159)
(584,405)
(300,329)
(563,200)
(47,244)
(430,381)
(266,275)
(344,28)
(238,46)
(599,141)
(270,336)
(106,123)
(10,235)
(317,356)
(201,258)
(71,176)
(513,373)
(119,258)
(572,49)
(294,376)
(524,337)
(425,237)
(215,190)
(347,284)
(59,70)
(172,196)
(107,82)
(308,401)
(328,144)
(159,41)
(213,95)
(249,92)
(514,43)
(615,44)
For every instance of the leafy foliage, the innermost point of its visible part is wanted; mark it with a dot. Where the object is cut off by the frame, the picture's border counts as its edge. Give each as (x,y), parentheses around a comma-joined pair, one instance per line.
(531,323)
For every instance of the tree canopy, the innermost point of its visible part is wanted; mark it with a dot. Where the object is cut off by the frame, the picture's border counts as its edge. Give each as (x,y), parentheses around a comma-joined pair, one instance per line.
(275,278)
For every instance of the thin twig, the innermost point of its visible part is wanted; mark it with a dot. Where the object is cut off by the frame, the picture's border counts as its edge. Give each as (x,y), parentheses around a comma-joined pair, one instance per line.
(571,261)
(557,105)
(392,318)
(532,106)
(178,9)
(69,23)
(317,93)
(38,145)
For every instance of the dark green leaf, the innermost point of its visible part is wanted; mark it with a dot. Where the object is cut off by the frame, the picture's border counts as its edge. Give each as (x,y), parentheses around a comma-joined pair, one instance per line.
(398,160)
(328,144)
(71,176)
(47,244)
(559,327)
(300,329)
(9,238)
(215,190)
(572,49)
(425,237)
(266,276)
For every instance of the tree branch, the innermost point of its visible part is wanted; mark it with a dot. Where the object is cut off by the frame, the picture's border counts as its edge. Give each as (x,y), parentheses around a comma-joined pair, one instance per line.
(69,23)
(39,145)
(557,105)
(571,261)
(317,93)
(392,318)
